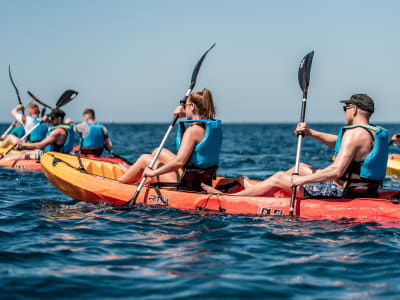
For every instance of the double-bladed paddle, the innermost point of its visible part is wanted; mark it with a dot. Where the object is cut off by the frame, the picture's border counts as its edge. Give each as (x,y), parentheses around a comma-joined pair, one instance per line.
(304,81)
(171,126)
(66,97)
(19,101)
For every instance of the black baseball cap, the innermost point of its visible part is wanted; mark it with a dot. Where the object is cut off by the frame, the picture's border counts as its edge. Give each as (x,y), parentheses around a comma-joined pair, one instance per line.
(362,101)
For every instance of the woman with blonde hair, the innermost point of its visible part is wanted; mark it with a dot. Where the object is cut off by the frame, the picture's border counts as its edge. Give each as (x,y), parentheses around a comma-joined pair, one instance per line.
(198,145)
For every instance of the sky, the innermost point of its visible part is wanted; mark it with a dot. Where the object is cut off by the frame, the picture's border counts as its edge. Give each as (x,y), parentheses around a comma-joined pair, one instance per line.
(132,61)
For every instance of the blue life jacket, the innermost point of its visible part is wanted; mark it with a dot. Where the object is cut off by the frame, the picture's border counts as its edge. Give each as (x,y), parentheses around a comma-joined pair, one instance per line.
(94,138)
(206,153)
(19,131)
(69,141)
(39,133)
(374,165)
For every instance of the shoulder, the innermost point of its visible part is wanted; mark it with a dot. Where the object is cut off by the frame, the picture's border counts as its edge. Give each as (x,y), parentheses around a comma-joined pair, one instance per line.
(195,132)
(356,135)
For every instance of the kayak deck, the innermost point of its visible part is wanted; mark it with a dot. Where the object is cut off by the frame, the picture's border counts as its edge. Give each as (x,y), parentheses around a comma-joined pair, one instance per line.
(94,181)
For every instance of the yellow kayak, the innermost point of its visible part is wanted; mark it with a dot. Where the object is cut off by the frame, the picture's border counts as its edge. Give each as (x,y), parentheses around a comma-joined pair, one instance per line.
(393,167)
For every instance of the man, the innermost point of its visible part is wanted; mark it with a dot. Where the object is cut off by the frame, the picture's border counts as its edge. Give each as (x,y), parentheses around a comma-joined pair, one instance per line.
(60,138)
(93,136)
(361,152)
(28,123)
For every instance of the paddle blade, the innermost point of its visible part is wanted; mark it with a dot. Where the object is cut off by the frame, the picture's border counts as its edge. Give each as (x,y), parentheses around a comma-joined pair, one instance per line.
(37,100)
(197,67)
(304,71)
(15,87)
(66,97)
(43,112)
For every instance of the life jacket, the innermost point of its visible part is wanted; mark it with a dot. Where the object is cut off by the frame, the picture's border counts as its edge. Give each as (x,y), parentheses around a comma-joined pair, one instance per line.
(372,169)
(206,153)
(19,131)
(69,141)
(94,138)
(39,133)
(203,163)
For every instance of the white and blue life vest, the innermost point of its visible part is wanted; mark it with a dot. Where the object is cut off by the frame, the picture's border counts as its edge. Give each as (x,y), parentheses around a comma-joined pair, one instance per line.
(94,138)
(69,141)
(206,153)
(40,132)
(374,165)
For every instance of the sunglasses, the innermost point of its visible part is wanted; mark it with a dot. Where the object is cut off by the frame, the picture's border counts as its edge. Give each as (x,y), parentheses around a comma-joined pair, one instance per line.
(347,107)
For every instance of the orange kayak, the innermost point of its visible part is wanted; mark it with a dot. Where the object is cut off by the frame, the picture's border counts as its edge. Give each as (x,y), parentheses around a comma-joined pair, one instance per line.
(95,181)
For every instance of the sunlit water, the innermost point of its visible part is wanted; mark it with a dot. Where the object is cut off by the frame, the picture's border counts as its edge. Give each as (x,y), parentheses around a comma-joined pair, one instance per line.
(55,247)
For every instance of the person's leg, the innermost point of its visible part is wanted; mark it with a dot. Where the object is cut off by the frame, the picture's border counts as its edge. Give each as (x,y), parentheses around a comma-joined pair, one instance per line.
(17,156)
(134,173)
(9,140)
(278,181)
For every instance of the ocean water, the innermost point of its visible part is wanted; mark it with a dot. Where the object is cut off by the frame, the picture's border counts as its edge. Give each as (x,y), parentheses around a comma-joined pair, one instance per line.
(52,246)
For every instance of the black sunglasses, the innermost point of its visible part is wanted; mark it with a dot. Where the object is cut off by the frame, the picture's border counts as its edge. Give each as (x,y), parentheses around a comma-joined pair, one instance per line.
(346,107)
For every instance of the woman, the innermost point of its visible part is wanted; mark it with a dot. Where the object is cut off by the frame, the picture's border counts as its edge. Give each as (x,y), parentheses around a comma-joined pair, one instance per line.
(198,146)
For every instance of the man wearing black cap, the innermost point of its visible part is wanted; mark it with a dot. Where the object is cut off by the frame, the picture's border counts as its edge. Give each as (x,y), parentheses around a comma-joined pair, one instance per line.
(361,152)
(59,138)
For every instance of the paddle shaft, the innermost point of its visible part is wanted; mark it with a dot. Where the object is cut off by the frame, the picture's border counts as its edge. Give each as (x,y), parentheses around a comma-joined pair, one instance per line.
(8,129)
(153,161)
(23,138)
(298,153)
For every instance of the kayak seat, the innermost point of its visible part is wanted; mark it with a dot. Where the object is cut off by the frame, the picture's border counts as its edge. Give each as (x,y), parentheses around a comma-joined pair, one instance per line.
(191,179)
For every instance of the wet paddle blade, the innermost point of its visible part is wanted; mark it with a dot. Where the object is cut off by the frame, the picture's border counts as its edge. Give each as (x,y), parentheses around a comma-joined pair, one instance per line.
(15,87)
(66,97)
(197,67)
(43,112)
(304,71)
(38,101)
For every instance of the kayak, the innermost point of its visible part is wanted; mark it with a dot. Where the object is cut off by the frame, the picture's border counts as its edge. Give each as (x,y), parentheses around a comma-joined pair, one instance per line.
(393,167)
(95,181)
(35,164)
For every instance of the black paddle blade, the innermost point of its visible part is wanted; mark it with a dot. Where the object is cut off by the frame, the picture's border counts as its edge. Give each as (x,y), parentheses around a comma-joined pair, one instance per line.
(304,71)
(43,112)
(38,101)
(66,97)
(15,87)
(197,67)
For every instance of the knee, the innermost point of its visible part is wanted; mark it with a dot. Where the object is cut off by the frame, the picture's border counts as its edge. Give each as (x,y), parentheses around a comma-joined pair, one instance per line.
(154,151)
(278,177)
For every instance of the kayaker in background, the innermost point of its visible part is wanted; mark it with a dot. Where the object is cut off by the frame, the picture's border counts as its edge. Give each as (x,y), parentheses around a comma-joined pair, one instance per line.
(17,130)
(395,139)
(361,151)
(93,136)
(198,147)
(28,123)
(59,138)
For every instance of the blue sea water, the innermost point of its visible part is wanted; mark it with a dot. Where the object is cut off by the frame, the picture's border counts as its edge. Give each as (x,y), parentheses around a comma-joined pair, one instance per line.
(52,246)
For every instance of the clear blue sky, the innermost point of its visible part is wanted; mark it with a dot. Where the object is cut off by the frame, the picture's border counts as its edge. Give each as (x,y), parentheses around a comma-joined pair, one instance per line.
(132,60)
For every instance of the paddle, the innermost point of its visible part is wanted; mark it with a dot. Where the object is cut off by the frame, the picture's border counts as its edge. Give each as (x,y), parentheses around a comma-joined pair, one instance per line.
(304,80)
(171,126)
(19,101)
(66,97)
(38,101)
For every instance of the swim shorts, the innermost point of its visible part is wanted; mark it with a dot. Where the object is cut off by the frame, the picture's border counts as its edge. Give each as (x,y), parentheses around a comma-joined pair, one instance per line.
(322,189)
(39,154)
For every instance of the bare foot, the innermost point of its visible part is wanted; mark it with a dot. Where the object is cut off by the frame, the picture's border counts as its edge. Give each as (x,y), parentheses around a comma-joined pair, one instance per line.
(243,181)
(124,167)
(210,189)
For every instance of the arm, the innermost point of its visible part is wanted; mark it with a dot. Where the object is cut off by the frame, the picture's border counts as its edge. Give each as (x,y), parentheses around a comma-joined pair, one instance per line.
(107,144)
(350,144)
(325,138)
(15,113)
(185,151)
(51,139)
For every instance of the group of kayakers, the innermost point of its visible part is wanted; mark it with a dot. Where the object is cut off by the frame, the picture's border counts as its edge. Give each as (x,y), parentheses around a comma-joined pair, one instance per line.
(54,133)
(361,150)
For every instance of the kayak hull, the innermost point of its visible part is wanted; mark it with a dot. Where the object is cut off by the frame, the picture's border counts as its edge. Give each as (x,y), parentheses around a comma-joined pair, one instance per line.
(98,185)
(393,167)
(35,165)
